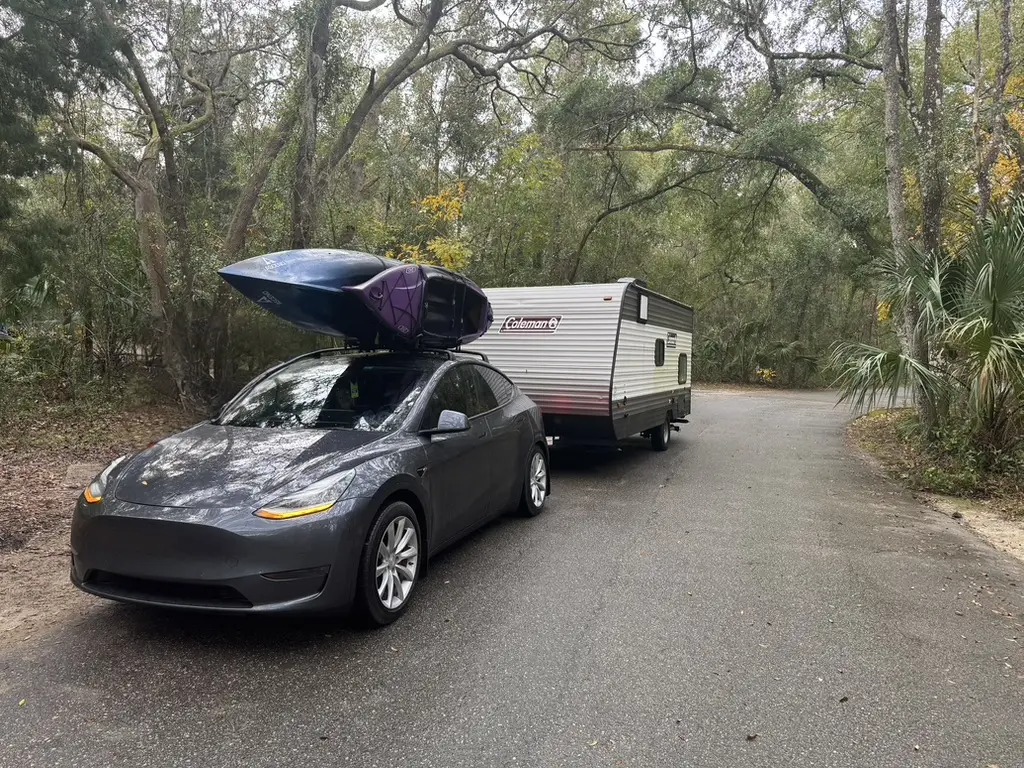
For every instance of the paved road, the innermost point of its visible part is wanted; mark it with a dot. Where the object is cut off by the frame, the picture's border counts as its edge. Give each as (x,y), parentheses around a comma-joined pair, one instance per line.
(756,579)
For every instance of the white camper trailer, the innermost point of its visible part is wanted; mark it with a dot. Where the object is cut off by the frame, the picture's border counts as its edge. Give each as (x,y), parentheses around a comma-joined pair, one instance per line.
(602,361)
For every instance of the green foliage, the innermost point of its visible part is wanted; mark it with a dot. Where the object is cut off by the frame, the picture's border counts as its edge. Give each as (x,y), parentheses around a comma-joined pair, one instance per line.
(951,462)
(44,46)
(555,184)
(972,313)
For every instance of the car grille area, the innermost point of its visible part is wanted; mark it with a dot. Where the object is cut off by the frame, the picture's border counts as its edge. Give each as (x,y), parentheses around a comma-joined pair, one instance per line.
(116,585)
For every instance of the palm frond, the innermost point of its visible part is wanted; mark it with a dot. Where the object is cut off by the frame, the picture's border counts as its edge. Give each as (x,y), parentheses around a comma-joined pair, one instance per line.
(867,376)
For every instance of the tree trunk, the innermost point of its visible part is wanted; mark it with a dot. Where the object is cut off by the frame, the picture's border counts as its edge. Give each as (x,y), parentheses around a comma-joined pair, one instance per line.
(932,179)
(932,176)
(911,338)
(988,151)
(241,218)
(303,189)
(170,313)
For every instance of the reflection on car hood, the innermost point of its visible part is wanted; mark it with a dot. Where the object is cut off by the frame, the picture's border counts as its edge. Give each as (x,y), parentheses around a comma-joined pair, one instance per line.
(220,466)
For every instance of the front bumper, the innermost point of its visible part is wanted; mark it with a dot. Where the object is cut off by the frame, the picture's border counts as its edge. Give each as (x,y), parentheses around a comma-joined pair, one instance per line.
(218,560)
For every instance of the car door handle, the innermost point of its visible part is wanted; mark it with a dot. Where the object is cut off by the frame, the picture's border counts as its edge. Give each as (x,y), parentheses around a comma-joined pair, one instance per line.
(421,471)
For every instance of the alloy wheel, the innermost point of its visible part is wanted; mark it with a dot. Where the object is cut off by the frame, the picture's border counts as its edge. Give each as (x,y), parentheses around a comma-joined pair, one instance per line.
(397,560)
(538,480)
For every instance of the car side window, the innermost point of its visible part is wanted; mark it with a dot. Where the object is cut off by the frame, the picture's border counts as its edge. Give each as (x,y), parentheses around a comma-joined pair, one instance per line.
(485,399)
(454,392)
(659,352)
(502,388)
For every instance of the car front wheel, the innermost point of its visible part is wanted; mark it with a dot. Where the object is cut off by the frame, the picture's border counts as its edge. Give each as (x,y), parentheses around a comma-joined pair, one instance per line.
(389,567)
(535,485)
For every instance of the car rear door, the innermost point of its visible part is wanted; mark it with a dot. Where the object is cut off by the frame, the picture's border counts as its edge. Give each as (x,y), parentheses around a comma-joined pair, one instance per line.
(509,434)
(457,471)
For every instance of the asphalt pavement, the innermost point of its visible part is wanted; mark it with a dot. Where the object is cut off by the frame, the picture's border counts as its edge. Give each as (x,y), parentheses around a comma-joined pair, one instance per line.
(755,596)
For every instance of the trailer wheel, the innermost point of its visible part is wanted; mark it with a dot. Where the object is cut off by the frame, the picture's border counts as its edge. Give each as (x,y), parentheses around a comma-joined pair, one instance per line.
(660,436)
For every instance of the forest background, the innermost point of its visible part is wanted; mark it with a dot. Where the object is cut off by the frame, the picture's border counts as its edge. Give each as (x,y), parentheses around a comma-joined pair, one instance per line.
(832,184)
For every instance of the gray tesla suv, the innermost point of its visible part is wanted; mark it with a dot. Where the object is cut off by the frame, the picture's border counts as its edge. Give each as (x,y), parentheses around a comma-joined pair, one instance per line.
(324,486)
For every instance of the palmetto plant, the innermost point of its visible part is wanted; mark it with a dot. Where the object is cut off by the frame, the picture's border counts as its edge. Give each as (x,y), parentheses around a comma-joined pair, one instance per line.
(971,303)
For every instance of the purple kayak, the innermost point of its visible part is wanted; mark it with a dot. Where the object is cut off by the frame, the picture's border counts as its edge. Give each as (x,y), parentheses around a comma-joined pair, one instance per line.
(427,306)
(369,300)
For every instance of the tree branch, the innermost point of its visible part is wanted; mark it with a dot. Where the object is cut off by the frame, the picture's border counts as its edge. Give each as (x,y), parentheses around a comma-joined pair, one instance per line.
(153,107)
(377,89)
(98,151)
(632,202)
(234,242)
(827,197)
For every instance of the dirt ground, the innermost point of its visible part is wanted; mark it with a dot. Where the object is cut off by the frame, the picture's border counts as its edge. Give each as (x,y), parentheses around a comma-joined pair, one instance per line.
(997,518)
(46,462)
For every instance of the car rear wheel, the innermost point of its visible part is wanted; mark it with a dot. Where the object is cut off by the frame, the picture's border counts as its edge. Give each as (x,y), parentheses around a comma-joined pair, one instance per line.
(535,485)
(660,436)
(389,567)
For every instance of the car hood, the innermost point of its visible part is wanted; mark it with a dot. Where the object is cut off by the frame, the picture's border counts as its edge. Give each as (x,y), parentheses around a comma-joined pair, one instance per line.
(213,466)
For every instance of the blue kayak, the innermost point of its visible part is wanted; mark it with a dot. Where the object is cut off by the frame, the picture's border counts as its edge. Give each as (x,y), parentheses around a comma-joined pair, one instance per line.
(369,300)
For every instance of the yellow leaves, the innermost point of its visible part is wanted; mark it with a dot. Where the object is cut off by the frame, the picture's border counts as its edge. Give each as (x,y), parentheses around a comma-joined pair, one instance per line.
(1016,121)
(409,252)
(439,248)
(446,206)
(1015,86)
(451,253)
(884,312)
(1006,176)
(448,252)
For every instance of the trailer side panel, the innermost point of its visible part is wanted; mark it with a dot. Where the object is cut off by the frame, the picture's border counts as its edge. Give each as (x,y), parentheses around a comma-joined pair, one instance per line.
(557,344)
(652,372)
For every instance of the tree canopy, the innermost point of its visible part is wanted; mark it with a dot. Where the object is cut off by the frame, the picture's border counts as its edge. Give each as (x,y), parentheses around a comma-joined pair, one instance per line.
(755,158)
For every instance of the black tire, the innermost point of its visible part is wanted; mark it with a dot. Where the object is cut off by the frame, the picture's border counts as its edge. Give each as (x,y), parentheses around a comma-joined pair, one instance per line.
(528,506)
(370,608)
(660,436)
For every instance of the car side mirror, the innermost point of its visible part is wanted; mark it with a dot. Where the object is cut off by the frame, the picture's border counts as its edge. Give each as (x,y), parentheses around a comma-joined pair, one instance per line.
(449,423)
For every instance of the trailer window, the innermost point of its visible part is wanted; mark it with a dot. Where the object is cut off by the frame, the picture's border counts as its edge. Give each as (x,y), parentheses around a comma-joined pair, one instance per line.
(684,365)
(659,352)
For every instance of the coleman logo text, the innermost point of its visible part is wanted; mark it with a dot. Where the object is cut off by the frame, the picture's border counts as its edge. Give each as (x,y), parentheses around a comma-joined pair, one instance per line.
(516,324)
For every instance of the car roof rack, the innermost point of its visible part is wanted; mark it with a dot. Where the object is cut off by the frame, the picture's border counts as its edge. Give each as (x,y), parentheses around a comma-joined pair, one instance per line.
(447,354)
(473,352)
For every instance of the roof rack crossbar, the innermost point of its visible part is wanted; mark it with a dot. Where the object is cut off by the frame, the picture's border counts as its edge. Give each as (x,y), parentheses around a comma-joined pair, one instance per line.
(473,352)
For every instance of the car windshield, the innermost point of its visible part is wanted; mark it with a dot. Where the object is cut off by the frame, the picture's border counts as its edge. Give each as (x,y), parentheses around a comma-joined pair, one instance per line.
(373,393)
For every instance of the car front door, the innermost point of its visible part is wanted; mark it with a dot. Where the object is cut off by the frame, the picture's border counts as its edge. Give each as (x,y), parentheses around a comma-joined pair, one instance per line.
(457,471)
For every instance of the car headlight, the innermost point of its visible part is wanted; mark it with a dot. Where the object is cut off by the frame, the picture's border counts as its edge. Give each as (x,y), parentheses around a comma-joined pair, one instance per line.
(318,497)
(94,491)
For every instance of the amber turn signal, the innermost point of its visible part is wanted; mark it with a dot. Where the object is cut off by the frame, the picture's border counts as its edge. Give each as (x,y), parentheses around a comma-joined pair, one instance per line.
(278,513)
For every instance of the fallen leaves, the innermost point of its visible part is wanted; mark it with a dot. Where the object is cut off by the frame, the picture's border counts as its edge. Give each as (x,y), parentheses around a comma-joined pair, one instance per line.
(36,495)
